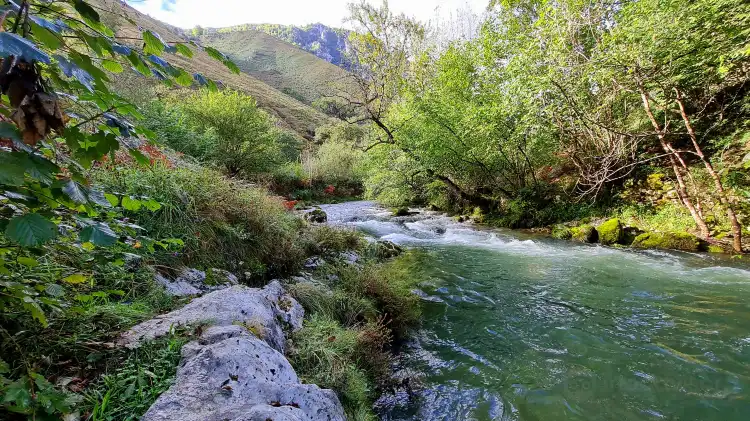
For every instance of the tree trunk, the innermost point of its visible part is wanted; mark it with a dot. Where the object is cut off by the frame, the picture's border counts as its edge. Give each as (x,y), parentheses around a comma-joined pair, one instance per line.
(723,198)
(681,189)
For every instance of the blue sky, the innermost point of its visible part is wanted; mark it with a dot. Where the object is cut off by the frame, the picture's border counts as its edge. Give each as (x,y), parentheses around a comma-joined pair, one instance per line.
(217,13)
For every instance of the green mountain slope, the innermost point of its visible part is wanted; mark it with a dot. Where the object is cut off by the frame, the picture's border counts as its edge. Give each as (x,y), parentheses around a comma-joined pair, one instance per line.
(284,66)
(291,112)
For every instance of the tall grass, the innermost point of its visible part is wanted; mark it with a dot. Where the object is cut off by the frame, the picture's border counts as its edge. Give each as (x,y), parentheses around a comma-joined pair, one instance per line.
(223,223)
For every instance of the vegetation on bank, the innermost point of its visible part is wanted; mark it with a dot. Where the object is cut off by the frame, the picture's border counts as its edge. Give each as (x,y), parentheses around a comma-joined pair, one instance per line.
(355,314)
(549,116)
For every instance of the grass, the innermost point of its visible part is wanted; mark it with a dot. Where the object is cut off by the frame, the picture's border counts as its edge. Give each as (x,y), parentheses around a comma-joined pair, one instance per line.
(223,223)
(284,66)
(353,318)
(128,391)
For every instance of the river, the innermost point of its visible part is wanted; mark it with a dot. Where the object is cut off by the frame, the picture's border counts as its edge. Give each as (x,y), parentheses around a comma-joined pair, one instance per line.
(522,327)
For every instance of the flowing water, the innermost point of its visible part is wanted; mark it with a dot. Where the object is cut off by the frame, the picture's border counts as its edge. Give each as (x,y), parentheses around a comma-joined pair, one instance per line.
(521,327)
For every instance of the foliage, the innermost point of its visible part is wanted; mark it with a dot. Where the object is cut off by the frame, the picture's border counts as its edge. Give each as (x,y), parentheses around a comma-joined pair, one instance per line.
(247,140)
(222,222)
(128,391)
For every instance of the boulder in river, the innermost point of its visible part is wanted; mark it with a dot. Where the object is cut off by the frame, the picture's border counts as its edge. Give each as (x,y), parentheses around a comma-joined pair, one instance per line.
(667,241)
(229,374)
(317,216)
(611,232)
(387,250)
(585,234)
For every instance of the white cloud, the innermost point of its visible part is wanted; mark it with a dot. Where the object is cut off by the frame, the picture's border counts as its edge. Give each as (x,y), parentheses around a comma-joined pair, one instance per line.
(219,13)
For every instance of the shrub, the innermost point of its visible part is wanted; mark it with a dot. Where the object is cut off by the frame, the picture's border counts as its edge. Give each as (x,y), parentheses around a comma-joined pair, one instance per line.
(346,308)
(248,140)
(223,223)
(326,240)
(335,162)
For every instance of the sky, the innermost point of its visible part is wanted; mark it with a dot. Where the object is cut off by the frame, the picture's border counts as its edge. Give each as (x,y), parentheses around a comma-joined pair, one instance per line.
(219,13)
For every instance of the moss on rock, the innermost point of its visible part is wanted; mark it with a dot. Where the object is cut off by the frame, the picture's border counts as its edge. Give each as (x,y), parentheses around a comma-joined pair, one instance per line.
(667,241)
(713,248)
(561,232)
(585,234)
(402,211)
(611,232)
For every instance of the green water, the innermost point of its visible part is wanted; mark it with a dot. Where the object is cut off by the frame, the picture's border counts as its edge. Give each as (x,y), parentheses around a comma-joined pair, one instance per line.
(535,329)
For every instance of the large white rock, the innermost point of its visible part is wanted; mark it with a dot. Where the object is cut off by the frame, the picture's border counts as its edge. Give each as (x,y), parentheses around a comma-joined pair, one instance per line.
(265,311)
(229,374)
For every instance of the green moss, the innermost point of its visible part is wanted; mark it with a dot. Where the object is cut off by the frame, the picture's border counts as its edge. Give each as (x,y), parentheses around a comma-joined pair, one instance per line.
(716,249)
(611,232)
(585,234)
(668,241)
(561,232)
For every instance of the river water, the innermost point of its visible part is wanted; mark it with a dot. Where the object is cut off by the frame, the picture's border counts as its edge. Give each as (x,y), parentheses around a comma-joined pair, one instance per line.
(521,327)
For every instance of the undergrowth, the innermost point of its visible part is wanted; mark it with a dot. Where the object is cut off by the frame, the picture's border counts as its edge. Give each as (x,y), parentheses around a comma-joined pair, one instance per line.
(126,392)
(355,316)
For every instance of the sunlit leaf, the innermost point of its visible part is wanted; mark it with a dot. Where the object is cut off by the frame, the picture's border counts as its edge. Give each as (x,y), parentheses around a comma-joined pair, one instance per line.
(86,11)
(28,261)
(76,278)
(184,50)
(153,43)
(131,204)
(112,66)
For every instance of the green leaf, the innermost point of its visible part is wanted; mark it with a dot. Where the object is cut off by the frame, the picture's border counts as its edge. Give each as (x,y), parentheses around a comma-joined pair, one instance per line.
(184,78)
(215,54)
(28,261)
(4,368)
(152,205)
(112,66)
(54,290)
(184,50)
(86,11)
(139,157)
(33,307)
(153,43)
(76,192)
(13,169)
(9,131)
(131,204)
(46,37)
(112,199)
(99,234)
(76,278)
(31,230)
(232,66)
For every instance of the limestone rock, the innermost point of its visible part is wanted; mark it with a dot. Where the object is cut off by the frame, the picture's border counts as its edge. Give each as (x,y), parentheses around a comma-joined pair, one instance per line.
(196,282)
(231,375)
(264,311)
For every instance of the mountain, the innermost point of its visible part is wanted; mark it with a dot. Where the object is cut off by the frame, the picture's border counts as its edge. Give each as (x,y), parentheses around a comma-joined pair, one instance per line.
(329,44)
(291,112)
(281,65)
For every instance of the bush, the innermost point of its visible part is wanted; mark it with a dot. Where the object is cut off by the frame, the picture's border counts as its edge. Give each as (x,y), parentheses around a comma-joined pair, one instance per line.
(348,309)
(248,139)
(335,162)
(222,222)
(324,240)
